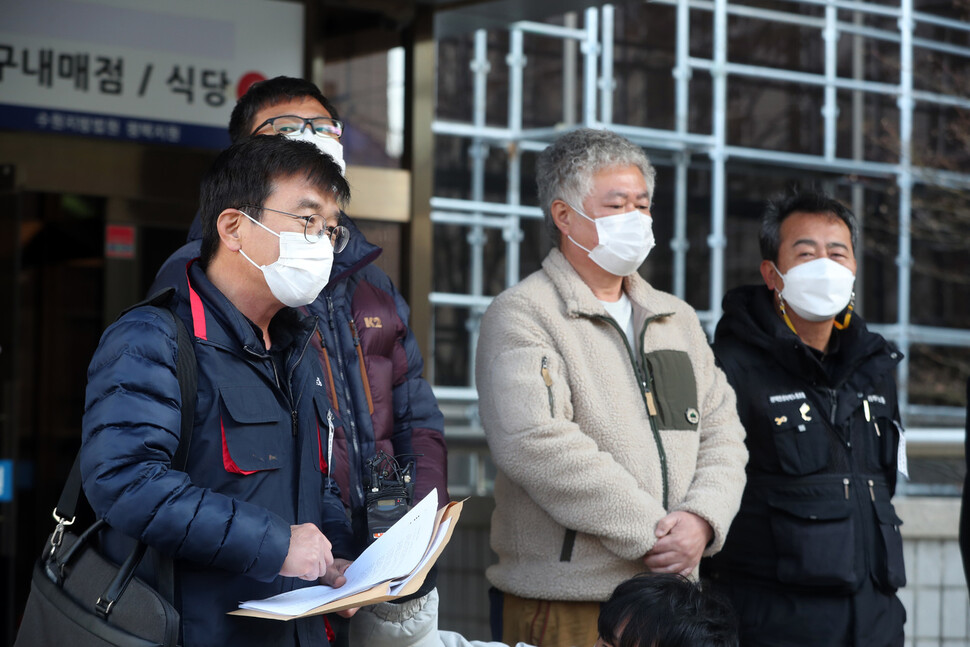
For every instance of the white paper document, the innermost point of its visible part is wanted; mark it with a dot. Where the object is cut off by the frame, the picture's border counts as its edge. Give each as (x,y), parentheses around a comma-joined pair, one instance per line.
(394,555)
(438,538)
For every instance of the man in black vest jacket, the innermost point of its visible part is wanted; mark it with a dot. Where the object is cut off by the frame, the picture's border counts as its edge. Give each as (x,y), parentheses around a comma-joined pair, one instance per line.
(814,556)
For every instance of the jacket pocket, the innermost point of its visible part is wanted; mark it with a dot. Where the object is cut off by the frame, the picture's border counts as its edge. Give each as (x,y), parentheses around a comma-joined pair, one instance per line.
(815,543)
(254,436)
(675,388)
(890,571)
(889,431)
(800,437)
(881,430)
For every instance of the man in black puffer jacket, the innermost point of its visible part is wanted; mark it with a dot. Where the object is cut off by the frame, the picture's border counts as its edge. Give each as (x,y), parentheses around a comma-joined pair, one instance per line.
(814,557)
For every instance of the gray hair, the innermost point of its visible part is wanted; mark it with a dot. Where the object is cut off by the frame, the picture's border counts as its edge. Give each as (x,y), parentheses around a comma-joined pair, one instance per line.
(565,170)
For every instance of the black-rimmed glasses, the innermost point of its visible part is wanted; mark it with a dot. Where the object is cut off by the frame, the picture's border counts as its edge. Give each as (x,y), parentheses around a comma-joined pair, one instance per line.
(315,228)
(286,124)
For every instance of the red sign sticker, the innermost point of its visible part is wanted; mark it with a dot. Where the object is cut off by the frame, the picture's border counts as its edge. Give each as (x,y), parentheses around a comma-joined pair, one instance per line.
(119,241)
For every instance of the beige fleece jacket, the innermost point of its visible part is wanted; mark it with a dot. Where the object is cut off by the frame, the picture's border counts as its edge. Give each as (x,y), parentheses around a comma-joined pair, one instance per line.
(570,431)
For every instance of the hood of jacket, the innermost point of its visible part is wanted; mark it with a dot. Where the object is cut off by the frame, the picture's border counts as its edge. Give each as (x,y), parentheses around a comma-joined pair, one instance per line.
(358,253)
(750,320)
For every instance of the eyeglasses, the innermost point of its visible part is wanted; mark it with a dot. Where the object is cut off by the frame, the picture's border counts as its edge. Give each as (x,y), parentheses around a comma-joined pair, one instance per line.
(286,124)
(315,228)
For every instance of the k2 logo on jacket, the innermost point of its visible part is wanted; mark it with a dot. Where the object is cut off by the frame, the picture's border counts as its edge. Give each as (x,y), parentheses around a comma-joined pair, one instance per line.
(373,322)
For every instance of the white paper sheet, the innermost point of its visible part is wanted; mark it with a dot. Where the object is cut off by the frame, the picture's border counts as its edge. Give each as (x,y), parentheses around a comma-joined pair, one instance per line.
(393,555)
(438,539)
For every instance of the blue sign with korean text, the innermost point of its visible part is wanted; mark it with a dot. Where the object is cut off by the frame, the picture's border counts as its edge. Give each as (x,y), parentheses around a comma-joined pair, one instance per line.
(148,131)
(140,70)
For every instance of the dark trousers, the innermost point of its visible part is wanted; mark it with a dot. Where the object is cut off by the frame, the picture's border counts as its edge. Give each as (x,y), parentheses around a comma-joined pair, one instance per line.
(341,630)
(770,616)
(495,602)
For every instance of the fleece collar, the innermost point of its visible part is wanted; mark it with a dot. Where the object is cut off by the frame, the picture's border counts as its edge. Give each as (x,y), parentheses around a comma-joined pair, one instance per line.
(579,298)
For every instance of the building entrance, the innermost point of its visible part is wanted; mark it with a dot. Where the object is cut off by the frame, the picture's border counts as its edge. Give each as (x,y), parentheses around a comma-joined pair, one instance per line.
(78,244)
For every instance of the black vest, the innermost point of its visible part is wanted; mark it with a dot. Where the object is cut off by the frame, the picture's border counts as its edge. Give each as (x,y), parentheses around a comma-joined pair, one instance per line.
(822,433)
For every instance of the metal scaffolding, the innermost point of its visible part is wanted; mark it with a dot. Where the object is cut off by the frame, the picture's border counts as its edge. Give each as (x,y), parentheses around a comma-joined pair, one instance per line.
(595,43)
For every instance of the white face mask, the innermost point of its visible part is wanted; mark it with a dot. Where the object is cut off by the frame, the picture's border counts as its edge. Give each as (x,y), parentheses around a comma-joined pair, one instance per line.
(817,290)
(301,271)
(624,241)
(327,145)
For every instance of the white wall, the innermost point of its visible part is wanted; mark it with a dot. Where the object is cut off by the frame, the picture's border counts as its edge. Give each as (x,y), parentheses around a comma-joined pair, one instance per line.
(935,597)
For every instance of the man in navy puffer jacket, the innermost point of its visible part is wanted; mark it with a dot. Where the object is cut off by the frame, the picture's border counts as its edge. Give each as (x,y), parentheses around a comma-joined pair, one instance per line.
(372,363)
(255,512)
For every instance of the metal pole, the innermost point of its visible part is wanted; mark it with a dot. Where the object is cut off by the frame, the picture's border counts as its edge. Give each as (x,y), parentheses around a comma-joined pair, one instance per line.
(717,241)
(419,156)
(830,111)
(513,232)
(858,153)
(590,49)
(569,67)
(476,235)
(682,74)
(606,82)
(904,261)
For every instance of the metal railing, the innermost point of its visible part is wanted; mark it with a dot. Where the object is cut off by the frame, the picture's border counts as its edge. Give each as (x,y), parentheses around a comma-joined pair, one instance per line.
(596,86)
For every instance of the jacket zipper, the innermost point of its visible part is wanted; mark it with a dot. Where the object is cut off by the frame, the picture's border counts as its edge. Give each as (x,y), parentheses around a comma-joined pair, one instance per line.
(834,405)
(569,538)
(350,427)
(295,402)
(860,505)
(547,378)
(330,433)
(652,411)
(646,382)
(363,368)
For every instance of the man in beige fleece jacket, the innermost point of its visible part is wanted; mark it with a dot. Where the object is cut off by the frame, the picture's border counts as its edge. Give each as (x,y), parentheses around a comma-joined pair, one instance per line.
(616,438)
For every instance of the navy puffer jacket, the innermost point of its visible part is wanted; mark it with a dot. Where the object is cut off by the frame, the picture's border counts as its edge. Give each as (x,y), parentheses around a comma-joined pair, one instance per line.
(254,468)
(386,406)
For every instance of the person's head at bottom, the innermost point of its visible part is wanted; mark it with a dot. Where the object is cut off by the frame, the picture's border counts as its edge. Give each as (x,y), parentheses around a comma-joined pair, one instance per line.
(665,610)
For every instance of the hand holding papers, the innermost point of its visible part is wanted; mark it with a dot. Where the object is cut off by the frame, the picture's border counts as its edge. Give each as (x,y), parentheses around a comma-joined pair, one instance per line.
(395,565)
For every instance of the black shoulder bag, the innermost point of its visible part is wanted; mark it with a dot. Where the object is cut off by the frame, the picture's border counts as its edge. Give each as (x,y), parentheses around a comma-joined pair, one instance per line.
(80,598)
